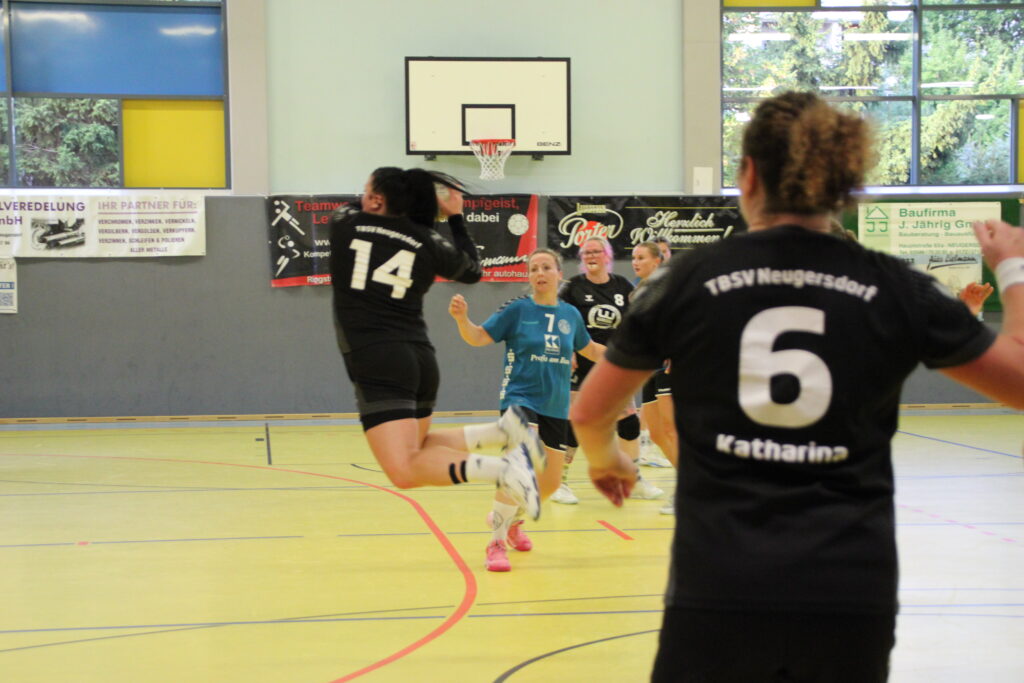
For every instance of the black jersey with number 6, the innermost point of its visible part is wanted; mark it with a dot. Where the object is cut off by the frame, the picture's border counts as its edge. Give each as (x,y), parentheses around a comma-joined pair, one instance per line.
(789,349)
(381,266)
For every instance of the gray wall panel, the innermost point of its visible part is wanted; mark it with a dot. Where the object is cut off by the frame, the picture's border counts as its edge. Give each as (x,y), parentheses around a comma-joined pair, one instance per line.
(208,335)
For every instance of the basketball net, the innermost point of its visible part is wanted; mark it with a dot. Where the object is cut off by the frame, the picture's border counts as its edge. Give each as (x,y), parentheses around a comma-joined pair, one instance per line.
(492,155)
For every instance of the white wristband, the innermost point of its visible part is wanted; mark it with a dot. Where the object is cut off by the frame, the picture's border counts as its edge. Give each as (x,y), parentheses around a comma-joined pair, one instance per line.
(1010,272)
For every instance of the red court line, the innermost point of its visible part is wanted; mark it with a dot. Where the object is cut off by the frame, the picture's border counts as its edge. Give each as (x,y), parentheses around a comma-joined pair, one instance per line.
(468,597)
(954,522)
(615,530)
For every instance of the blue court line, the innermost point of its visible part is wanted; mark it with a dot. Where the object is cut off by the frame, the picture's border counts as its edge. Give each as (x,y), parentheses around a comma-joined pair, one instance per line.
(953,614)
(961,445)
(924,477)
(379,618)
(150,540)
(182,490)
(958,606)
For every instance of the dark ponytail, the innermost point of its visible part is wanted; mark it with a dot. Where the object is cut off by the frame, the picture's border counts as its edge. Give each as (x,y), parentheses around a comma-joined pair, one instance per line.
(411,193)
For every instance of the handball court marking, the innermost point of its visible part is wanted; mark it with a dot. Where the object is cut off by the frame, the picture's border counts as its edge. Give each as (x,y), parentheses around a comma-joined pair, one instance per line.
(960,519)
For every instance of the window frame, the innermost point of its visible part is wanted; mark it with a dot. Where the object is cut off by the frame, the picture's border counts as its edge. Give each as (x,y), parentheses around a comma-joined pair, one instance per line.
(10,183)
(917,10)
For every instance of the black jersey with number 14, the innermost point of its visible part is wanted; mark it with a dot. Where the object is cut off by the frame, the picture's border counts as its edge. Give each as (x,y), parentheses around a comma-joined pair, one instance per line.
(789,349)
(381,266)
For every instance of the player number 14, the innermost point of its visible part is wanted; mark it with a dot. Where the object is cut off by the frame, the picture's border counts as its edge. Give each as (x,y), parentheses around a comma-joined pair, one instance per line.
(393,272)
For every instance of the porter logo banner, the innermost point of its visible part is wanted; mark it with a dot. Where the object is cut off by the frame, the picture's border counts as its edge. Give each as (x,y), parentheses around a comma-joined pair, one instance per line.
(687,222)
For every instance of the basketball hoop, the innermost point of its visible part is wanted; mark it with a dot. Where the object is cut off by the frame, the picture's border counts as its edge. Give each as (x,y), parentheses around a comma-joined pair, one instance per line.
(492,155)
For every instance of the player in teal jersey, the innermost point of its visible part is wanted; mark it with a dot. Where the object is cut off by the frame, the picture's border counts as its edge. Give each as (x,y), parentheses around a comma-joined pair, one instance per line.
(541,332)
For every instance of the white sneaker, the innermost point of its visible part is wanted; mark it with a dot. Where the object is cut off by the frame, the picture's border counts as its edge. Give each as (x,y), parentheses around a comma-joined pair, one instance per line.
(516,426)
(669,508)
(564,495)
(519,480)
(645,490)
(653,458)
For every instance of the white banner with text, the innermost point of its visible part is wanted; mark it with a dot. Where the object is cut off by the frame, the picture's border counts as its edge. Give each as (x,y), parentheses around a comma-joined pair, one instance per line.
(98,226)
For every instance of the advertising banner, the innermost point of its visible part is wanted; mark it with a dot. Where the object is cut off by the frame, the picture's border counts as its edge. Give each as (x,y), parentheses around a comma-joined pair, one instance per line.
(935,237)
(504,228)
(8,286)
(687,222)
(300,240)
(98,226)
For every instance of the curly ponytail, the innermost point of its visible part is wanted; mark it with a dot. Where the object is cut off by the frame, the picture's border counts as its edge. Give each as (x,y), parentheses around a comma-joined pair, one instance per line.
(810,156)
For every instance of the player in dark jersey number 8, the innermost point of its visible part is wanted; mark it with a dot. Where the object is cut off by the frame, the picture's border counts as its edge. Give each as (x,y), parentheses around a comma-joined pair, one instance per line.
(384,258)
(601,297)
(789,348)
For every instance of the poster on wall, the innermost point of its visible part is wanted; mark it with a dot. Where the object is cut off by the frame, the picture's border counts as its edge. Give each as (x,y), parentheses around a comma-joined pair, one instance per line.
(8,286)
(299,237)
(687,222)
(504,228)
(935,237)
(103,226)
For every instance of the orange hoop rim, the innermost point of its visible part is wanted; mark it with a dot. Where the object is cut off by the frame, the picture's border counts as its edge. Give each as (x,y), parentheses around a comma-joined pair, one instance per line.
(493,141)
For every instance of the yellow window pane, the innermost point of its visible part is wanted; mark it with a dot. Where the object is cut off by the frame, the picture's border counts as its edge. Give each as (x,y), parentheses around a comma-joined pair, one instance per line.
(174,143)
(769,3)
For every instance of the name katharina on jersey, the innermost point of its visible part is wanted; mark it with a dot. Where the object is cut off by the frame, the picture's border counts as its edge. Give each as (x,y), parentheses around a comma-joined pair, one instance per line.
(795,278)
(766,449)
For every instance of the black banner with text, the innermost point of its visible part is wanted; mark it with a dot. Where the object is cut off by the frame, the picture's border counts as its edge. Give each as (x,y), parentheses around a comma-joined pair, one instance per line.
(687,222)
(504,228)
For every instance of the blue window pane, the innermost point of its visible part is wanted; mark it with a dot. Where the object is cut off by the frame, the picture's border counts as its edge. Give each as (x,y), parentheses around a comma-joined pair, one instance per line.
(71,48)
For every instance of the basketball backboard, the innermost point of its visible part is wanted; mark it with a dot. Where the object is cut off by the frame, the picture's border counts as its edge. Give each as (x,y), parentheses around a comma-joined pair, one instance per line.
(452,100)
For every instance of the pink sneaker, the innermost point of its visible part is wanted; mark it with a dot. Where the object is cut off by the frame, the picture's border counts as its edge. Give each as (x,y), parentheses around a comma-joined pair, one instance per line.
(518,539)
(497,558)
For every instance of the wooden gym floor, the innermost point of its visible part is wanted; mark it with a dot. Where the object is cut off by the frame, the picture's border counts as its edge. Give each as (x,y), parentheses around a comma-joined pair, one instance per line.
(208,553)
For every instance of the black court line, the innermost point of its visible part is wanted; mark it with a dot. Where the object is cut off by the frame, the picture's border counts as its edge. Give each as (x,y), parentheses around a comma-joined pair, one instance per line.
(266,431)
(505,676)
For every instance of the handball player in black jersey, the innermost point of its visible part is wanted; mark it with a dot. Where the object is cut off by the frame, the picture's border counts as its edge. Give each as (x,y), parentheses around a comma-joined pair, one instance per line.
(385,255)
(789,348)
(601,297)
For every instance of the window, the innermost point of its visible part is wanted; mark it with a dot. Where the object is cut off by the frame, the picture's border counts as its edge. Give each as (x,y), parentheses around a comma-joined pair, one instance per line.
(109,94)
(942,81)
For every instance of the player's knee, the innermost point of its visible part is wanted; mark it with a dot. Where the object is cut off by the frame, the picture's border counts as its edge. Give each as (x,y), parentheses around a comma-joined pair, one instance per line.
(399,476)
(629,428)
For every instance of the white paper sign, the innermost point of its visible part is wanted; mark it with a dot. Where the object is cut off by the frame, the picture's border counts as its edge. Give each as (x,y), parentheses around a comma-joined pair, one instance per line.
(69,226)
(934,237)
(8,286)
(923,228)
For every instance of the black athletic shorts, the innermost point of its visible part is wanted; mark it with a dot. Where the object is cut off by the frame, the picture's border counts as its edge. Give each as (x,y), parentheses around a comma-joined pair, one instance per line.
(741,647)
(656,386)
(583,366)
(393,381)
(553,431)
